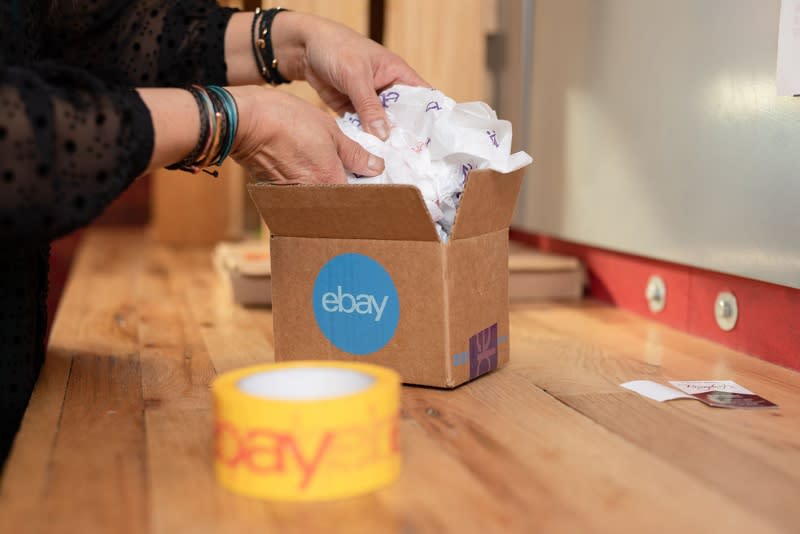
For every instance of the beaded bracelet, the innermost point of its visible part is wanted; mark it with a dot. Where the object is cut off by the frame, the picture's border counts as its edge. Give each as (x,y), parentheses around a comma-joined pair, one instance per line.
(262,45)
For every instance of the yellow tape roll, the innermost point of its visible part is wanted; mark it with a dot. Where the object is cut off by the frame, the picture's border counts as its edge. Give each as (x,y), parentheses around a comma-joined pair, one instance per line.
(304,431)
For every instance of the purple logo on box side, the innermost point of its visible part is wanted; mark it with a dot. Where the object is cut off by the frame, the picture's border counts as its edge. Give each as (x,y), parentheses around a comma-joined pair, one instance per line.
(462,358)
(483,352)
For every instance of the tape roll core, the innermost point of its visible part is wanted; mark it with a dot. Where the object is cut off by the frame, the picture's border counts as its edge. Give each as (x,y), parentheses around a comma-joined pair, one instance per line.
(305,383)
(305,431)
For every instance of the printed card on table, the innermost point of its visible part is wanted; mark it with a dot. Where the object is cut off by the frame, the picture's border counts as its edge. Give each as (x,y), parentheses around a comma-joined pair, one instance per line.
(715,393)
(723,394)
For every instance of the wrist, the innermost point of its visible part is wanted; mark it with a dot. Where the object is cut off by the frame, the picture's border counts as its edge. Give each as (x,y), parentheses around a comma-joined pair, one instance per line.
(176,124)
(241,65)
(252,102)
(218,117)
(289,39)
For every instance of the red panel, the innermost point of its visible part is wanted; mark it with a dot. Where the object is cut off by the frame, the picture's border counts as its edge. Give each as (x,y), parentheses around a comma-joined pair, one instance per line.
(769,314)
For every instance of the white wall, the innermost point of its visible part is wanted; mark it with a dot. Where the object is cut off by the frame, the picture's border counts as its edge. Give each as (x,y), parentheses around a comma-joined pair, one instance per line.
(655,130)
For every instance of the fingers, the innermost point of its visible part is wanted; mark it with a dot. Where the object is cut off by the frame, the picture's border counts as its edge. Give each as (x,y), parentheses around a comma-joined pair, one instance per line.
(356,159)
(363,96)
(361,90)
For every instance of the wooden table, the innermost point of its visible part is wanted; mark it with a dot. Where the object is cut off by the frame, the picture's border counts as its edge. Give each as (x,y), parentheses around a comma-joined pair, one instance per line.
(117,435)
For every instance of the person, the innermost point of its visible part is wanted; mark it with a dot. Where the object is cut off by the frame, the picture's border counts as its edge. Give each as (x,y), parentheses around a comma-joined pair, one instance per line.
(94,93)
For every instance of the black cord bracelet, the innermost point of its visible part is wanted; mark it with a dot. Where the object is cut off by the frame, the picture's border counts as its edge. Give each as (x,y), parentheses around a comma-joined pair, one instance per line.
(262,45)
(202,136)
(219,119)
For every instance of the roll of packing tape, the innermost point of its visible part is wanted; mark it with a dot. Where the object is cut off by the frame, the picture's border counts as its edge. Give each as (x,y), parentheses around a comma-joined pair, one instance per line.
(305,431)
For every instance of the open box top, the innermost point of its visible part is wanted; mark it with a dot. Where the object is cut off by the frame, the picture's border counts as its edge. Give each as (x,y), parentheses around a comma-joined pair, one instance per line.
(384,212)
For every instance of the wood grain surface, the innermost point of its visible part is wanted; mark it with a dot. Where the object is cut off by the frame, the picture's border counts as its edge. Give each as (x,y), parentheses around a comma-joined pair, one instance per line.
(117,437)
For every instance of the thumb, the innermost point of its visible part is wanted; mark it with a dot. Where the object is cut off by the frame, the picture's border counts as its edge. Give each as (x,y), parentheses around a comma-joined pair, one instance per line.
(368,107)
(356,158)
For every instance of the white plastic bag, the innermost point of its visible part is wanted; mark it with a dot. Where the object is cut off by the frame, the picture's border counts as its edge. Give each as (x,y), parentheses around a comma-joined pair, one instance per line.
(433,144)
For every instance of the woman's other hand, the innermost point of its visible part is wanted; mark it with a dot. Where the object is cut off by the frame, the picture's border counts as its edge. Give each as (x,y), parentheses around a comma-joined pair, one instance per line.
(284,140)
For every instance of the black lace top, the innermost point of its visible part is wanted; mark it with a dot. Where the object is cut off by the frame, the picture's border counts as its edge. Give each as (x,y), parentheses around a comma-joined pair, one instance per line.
(73,135)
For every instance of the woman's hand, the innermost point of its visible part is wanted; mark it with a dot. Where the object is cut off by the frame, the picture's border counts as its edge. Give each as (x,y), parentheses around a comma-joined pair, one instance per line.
(344,67)
(283,139)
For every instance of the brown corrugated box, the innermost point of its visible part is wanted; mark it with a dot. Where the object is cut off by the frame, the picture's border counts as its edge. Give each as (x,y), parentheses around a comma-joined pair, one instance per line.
(536,275)
(245,269)
(533,275)
(359,273)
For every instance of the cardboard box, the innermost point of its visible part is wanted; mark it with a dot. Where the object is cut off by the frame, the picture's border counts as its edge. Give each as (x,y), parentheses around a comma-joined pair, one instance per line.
(537,275)
(245,270)
(359,273)
(533,275)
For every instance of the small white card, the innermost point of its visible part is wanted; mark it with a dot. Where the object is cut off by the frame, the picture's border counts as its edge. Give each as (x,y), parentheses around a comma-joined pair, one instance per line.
(715,393)
(654,390)
(788,72)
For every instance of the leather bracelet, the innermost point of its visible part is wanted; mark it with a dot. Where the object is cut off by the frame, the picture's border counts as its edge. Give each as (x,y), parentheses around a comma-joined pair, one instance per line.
(224,101)
(219,118)
(202,136)
(263,52)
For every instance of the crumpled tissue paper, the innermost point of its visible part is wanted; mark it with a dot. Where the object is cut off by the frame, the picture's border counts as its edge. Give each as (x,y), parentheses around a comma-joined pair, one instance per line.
(434,143)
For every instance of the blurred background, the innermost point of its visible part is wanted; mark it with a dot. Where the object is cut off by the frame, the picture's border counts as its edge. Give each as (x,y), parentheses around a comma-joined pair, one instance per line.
(445,40)
(654,126)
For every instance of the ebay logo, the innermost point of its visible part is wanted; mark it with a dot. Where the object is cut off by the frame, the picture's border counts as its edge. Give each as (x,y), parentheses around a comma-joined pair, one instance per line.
(356,305)
(348,303)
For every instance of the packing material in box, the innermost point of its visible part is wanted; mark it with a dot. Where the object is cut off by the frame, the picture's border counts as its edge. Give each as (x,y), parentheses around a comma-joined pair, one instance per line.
(359,273)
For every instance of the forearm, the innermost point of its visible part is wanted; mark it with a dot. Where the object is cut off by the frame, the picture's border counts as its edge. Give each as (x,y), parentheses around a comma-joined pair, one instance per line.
(69,144)
(176,124)
(142,43)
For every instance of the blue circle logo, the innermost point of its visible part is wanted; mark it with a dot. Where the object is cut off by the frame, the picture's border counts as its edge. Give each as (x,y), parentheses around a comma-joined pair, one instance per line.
(356,303)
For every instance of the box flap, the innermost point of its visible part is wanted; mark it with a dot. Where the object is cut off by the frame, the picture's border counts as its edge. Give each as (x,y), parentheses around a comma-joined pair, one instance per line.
(488,203)
(389,212)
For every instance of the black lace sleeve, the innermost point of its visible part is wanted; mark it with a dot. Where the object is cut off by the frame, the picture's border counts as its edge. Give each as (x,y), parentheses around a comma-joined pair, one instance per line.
(142,43)
(69,144)
(73,131)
